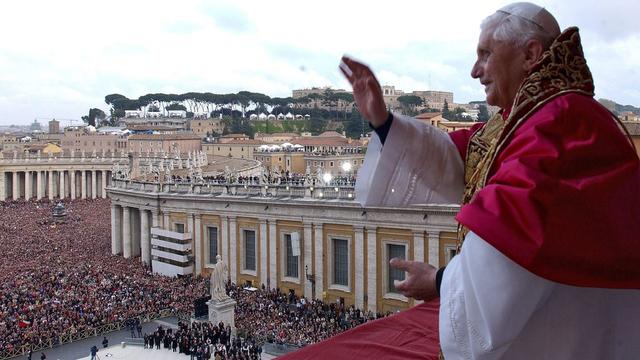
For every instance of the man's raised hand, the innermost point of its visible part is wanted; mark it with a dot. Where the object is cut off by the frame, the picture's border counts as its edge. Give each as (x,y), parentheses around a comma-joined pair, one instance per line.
(366,91)
(420,280)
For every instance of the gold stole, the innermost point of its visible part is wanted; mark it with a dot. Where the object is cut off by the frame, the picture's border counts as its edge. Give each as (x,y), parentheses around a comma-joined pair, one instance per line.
(482,147)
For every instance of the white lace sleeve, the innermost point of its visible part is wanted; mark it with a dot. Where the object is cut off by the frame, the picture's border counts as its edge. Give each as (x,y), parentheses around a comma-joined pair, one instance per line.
(418,164)
(485,302)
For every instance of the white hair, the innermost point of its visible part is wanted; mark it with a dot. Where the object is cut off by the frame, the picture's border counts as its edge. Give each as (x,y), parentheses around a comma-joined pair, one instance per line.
(518,30)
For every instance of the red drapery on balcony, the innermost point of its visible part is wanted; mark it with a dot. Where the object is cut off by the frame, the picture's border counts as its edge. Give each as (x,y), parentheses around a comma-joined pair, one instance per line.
(410,334)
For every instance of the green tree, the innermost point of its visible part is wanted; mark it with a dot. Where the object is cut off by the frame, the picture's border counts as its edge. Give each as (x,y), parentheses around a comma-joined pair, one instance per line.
(96,116)
(409,103)
(176,106)
(446,113)
(483,113)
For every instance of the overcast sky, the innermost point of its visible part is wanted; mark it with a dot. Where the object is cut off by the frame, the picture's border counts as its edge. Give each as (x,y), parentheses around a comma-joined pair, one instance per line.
(59,58)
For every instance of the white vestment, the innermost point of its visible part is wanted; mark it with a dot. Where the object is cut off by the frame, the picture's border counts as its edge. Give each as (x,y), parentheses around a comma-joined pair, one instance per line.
(491,307)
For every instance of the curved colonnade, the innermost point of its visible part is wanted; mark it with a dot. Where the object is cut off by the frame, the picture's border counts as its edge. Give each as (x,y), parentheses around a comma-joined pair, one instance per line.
(325,248)
(55,178)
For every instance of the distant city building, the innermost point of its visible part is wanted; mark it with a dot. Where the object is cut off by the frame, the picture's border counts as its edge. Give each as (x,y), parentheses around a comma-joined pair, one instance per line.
(87,139)
(148,124)
(296,94)
(320,103)
(206,127)
(435,99)
(629,116)
(633,127)
(391,95)
(43,149)
(54,126)
(232,137)
(35,126)
(183,142)
(431,118)
(276,138)
(242,148)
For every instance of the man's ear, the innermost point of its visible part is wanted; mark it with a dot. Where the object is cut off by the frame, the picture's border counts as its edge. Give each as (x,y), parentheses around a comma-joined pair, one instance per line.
(533,50)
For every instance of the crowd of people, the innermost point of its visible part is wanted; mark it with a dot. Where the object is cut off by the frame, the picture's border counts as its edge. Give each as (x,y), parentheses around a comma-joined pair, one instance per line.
(273,316)
(60,279)
(57,279)
(204,340)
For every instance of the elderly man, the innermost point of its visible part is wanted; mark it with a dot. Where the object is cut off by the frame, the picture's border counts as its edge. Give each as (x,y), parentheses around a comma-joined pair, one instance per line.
(549,261)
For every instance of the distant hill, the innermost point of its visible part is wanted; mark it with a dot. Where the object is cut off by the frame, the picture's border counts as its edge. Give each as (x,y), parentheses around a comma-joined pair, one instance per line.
(617,108)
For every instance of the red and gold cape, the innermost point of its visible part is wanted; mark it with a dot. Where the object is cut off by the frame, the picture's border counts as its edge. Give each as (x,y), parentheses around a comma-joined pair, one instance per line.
(555,184)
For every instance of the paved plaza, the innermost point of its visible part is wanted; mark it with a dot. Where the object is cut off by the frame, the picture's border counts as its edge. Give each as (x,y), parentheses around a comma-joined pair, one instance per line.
(80,349)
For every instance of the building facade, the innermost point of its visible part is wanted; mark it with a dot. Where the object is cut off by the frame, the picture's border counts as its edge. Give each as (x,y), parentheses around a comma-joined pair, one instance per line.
(206,127)
(240,149)
(184,142)
(79,139)
(38,177)
(293,239)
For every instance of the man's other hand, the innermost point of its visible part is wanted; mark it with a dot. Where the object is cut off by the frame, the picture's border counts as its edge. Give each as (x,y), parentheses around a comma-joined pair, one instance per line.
(420,280)
(366,91)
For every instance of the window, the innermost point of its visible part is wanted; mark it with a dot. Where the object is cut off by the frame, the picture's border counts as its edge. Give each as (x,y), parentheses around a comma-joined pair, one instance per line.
(249,250)
(449,252)
(212,231)
(331,164)
(393,251)
(340,262)
(291,254)
(179,227)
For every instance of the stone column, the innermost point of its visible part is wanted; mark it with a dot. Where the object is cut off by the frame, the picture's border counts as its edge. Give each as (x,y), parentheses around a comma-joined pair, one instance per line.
(264,252)
(16,186)
(273,256)
(83,186)
(434,247)
(27,185)
(104,184)
(319,252)
(165,221)
(372,289)
(233,246)
(126,231)
(155,219)
(39,185)
(308,257)
(136,248)
(93,184)
(224,233)
(62,193)
(3,186)
(116,229)
(145,237)
(197,236)
(72,183)
(418,245)
(359,266)
(50,187)
(188,227)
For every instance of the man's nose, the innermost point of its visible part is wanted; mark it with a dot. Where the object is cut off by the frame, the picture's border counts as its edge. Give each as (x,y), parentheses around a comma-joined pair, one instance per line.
(476,70)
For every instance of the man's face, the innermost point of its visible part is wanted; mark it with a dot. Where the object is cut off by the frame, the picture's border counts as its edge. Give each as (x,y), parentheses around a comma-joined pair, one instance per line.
(499,68)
